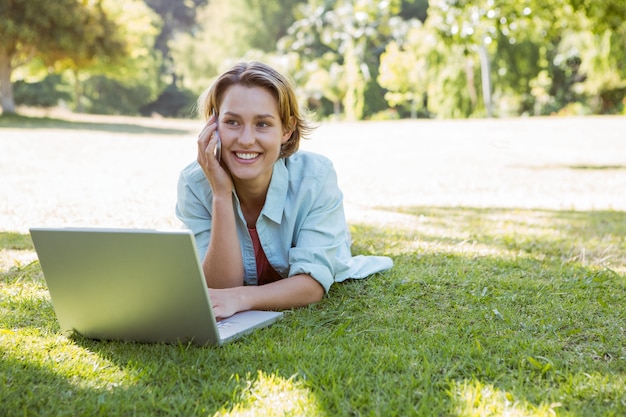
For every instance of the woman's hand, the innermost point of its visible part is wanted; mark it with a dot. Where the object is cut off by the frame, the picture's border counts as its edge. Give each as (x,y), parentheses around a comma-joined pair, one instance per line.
(224,302)
(217,174)
(296,291)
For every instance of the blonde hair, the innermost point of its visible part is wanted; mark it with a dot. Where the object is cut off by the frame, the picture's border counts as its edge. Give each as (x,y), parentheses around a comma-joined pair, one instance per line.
(256,74)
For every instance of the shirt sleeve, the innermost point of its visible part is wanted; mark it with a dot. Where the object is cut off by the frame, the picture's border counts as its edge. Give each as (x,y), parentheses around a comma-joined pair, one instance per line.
(322,243)
(192,207)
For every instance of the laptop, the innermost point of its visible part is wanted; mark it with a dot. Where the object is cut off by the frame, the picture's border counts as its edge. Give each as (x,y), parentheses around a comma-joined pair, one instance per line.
(134,285)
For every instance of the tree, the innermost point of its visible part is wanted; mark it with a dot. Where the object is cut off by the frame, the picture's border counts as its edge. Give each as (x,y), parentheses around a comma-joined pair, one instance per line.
(605,14)
(327,81)
(515,37)
(406,68)
(602,75)
(471,24)
(135,67)
(354,31)
(54,31)
(227,31)
(177,16)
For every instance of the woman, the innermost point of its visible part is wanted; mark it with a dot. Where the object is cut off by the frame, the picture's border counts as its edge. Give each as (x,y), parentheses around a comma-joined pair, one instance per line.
(268,220)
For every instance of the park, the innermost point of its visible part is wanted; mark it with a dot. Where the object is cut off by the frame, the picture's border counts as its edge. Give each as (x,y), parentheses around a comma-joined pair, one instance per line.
(480,145)
(506,297)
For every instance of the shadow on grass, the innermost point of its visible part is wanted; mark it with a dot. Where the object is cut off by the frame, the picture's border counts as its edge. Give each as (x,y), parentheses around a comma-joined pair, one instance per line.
(25,122)
(597,167)
(452,329)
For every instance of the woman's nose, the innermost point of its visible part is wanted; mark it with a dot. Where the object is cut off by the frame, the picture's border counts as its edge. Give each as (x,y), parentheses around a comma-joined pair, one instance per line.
(246,137)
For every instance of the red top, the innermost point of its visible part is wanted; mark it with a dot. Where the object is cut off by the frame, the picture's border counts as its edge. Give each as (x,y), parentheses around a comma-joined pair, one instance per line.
(264,271)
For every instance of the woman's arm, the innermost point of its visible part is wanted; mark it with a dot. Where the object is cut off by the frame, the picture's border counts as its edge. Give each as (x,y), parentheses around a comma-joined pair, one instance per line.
(223,263)
(296,291)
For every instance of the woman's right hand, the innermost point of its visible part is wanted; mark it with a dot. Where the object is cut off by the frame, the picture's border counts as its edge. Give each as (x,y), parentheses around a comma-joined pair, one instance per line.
(217,174)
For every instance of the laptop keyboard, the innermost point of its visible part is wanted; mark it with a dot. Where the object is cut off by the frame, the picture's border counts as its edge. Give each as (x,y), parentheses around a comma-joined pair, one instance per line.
(224,324)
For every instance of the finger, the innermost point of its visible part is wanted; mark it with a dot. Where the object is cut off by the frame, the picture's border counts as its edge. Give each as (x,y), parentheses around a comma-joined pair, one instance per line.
(204,138)
(201,151)
(208,129)
(206,132)
(210,145)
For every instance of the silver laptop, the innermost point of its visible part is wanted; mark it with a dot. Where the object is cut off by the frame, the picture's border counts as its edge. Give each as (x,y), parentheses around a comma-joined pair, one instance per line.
(134,285)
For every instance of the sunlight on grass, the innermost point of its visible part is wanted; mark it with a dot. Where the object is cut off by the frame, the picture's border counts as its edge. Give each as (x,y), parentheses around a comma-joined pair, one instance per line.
(15,250)
(24,298)
(274,396)
(475,399)
(60,358)
(10,258)
(590,238)
(486,312)
(590,385)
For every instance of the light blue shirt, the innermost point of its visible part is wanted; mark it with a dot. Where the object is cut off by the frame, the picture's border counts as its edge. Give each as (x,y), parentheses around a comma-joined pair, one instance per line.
(302,227)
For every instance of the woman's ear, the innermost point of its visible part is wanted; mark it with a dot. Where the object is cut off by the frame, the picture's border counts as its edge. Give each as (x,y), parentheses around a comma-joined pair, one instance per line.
(289,130)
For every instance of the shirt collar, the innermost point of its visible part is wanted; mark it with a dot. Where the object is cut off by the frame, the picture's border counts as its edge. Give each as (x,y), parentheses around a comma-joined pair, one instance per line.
(277,192)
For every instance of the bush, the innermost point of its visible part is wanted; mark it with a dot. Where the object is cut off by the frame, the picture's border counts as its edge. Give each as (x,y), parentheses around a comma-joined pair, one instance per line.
(173,102)
(45,93)
(104,95)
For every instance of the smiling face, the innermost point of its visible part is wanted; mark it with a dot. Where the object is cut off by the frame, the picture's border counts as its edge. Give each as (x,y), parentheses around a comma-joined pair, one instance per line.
(252,134)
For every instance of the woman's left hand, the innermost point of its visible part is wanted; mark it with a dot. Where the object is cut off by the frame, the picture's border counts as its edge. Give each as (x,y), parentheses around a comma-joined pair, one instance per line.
(224,301)
(296,291)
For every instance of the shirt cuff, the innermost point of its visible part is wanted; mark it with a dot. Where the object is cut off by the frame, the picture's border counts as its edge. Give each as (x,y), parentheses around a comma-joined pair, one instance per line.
(318,272)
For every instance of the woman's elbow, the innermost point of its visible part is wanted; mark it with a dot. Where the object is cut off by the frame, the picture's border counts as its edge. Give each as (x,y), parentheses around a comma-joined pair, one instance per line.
(317,292)
(312,293)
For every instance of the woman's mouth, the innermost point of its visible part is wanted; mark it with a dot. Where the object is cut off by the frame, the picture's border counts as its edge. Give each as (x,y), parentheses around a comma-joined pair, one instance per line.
(247,156)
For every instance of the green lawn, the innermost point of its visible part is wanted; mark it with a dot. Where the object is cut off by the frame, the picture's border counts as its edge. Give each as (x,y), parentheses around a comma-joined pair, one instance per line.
(487,312)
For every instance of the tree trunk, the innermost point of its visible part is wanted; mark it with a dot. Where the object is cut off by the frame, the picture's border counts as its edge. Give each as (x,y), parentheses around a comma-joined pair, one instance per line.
(78,92)
(485,72)
(471,82)
(355,82)
(6,88)
(337,109)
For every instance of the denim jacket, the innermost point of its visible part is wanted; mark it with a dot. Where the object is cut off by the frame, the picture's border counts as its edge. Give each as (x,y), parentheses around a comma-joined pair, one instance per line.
(302,226)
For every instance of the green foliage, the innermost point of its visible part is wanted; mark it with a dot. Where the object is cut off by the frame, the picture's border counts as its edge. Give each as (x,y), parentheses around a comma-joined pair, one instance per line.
(471,58)
(374,96)
(45,93)
(178,16)
(601,57)
(103,37)
(486,312)
(53,31)
(407,71)
(414,9)
(522,41)
(134,71)
(173,102)
(58,30)
(228,31)
(103,95)
(606,14)
(338,39)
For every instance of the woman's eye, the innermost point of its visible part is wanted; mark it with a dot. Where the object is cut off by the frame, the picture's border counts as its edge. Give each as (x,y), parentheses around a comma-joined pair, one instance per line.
(262,124)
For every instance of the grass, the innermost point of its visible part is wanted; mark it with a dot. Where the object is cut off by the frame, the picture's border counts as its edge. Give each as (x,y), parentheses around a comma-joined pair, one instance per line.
(487,312)
(18,121)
